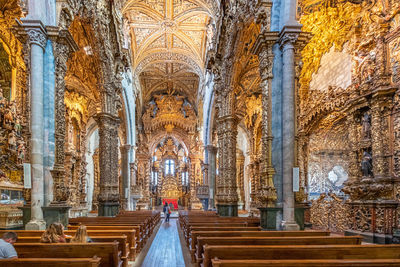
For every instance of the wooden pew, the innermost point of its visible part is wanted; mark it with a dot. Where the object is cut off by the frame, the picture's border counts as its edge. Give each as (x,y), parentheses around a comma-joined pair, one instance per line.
(193,227)
(251,252)
(135,248)
(307,263)
(220,229)
(108,252)
(271,241)
(51,262)
(123,245)
(195,234)
(187,220)
(130,234)
(155,215)
(187,227)
(113,221)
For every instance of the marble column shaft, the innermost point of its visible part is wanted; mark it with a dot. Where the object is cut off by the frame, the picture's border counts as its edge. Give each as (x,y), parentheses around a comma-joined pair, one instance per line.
(288,125)
(212,172)
(125,171)
(37,38)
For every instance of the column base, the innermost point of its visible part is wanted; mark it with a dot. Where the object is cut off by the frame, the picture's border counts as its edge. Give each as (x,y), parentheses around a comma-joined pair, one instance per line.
(269,218)
(26,214)
(109,209)
(56,213)
(290,226)
(227,210)
(35,225)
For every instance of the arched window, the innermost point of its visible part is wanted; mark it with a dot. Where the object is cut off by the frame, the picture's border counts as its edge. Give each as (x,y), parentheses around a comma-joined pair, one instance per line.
(169,167)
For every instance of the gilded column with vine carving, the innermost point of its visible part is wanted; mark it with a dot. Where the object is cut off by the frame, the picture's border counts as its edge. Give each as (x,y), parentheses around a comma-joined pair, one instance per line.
(226,196)
(263,47)
(63,45)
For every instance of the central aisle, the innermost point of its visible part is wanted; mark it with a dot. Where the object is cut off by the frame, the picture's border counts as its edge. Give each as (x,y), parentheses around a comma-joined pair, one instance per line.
(166,248)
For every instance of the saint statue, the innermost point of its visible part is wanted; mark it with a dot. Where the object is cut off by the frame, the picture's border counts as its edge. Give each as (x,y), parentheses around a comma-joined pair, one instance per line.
(21,153)
(2,106)
(366,164)
(11,141)
(366,126)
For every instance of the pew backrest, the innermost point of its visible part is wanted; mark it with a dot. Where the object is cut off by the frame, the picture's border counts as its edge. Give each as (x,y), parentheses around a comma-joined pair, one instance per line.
(251,252)
(108,252)
(51,262)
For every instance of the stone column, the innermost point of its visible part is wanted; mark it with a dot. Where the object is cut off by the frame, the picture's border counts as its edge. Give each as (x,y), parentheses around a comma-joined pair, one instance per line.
(135,190)
(37,38)
(108,160)
(240,177)
(125,194)
(212,172)
(226,195)
(64,45)
(194,201)
(263,48)
(288,38)
(350,186)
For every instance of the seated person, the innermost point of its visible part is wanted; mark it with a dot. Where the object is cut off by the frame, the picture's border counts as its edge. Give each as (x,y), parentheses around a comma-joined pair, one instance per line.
(53,234)
(7,250)
(81,235)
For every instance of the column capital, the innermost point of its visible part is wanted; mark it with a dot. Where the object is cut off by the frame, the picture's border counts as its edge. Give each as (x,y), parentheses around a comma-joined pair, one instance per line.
(32,31)
(292,37)
(263,47)
(62,36)
(125,148)
(211,148)
(107,119)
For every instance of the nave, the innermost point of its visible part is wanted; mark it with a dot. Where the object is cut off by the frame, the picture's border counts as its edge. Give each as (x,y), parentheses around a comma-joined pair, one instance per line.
(259,122)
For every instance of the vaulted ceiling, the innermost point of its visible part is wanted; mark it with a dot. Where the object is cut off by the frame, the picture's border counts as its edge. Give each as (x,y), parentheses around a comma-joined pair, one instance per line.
(169,41)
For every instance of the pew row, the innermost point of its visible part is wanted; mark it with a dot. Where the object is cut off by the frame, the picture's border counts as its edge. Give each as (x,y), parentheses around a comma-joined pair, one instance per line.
(308,252)
(51,262)
(272,241)
(108,252)
(307,263)
(130,234)
(123,245)
(195,234)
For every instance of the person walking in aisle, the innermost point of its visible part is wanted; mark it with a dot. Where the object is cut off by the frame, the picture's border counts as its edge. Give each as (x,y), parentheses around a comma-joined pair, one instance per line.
(167,211)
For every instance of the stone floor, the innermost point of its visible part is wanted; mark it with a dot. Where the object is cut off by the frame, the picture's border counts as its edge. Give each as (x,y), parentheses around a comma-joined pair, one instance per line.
(165,249)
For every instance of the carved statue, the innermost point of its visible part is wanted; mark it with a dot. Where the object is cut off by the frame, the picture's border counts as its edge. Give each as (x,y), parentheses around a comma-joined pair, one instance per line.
(21,153)
(11,141)
(366,164)
(2,105)
(17,127)
(8,116)
(366,126)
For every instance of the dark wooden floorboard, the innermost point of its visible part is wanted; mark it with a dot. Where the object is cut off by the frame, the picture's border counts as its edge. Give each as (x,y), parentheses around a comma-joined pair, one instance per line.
(166,248)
